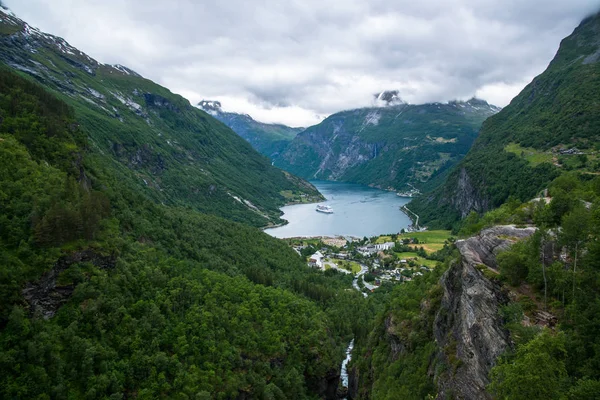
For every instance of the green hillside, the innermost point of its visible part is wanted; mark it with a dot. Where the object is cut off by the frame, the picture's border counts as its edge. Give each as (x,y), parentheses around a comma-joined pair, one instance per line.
(116,281)
(160,144)
(552,126)
(387,147)
(106,293)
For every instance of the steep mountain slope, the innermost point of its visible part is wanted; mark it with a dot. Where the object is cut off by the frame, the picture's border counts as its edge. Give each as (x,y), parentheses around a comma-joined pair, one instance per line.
(176,153)
(390,146)
(267,139)
(527,144)
(106,292)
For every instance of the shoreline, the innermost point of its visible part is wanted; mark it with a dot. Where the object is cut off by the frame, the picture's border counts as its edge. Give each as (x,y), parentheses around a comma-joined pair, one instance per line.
(291,203)
(264,228)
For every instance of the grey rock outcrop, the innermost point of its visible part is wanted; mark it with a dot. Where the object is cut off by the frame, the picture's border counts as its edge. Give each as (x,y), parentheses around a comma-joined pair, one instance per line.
(45,297)
(483,248)
(468,327)
(467,197)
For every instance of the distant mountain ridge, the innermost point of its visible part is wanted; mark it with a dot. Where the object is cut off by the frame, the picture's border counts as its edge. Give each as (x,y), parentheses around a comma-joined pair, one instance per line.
(390,147)
(523,147)
(155,139)
(267,139)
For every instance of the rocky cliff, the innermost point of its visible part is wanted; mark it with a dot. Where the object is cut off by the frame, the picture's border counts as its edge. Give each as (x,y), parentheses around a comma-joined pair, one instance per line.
(46,296)
(468,327)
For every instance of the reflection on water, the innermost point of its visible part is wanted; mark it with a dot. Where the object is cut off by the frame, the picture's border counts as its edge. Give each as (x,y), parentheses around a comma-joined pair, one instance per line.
(358,211)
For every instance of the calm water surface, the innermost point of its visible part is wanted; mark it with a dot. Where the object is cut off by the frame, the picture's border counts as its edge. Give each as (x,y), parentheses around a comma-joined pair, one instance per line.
(358,210)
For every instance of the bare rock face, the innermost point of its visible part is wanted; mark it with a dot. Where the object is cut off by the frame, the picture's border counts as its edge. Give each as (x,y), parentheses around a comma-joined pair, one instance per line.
(468,327)
(483,248)
(45,296)
(467,197)
(353,378)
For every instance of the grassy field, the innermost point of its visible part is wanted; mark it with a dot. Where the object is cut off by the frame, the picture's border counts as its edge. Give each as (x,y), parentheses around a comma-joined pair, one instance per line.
(533,156)
(407,254)
(383,239)
(348,265)
(431,241)
(420,260)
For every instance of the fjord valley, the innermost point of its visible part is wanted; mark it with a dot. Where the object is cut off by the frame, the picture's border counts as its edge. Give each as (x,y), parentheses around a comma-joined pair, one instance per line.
(392,145)
(132,263)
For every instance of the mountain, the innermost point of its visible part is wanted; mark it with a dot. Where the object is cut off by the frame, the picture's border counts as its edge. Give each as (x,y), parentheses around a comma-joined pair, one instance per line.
(116,287)
(172,151)
(551,127)
(267,139)
(392,146)
(388,98)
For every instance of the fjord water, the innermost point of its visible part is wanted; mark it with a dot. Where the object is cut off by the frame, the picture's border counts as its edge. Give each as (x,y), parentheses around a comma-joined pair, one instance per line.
(358,210)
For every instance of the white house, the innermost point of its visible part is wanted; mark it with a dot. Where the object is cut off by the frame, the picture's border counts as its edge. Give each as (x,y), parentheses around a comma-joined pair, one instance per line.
(316,260)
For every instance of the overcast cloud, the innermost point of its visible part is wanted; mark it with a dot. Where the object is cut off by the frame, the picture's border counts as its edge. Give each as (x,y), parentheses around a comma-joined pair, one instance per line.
(297,61)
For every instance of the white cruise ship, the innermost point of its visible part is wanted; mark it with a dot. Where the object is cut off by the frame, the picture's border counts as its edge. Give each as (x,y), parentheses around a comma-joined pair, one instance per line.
(325,209)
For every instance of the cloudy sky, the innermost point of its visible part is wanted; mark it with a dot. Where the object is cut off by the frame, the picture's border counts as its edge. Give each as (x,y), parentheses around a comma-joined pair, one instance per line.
(296,61)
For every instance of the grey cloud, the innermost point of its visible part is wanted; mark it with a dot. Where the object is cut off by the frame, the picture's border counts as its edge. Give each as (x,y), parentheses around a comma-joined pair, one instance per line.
(298,59)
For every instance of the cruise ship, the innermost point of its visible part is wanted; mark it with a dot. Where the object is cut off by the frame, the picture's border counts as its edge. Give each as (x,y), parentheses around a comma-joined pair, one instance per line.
(325,209)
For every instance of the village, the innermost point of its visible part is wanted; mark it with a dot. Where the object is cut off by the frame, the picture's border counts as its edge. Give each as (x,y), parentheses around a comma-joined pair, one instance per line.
(376,261)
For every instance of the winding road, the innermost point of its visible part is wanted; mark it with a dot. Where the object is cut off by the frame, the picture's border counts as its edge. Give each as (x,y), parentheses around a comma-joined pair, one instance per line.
(363,270)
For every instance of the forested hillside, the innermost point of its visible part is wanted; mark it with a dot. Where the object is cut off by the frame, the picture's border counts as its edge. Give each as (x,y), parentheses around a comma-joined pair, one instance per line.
(394,147)
(105,293)
(552,126)
(159,143)
(116,281)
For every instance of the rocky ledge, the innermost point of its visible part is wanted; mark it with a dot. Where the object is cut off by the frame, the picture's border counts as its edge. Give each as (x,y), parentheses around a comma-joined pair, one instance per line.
(468,327)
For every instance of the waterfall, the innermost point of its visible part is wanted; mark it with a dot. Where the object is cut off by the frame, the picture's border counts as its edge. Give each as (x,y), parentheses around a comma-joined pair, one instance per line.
(344,373)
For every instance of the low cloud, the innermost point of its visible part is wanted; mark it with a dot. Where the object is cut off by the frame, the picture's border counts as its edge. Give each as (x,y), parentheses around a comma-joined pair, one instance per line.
(297,61)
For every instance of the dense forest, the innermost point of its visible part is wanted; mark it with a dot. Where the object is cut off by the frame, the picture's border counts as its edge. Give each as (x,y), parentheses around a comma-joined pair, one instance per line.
(106,293)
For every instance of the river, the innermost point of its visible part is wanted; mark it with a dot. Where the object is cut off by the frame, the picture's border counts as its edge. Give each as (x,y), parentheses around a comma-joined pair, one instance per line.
(358,210)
